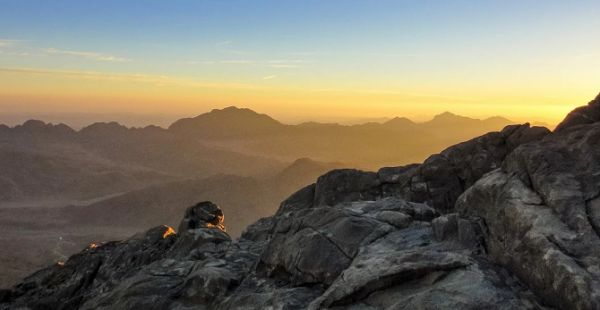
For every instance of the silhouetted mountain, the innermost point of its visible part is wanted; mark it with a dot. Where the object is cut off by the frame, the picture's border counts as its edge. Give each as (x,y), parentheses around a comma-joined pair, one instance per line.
(365,145)
(42,160)
(399,122)
(227,141)
(449,120)
(36,129)
(231,123)
(103,130)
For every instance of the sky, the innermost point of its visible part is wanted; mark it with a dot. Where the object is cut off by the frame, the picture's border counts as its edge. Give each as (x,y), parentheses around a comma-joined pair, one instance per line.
(321,60)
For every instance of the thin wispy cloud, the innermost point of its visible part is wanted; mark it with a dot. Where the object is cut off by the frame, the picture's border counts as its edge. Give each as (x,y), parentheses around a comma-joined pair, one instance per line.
(87,55)
(405,95)
(283,66)
(196,62)
(275,63)
(305,53)
(286,63)
(269,77)
(158,80)
(20,54)
(9,42)
(225,47)
(238,62)
(6,43)
(222,43)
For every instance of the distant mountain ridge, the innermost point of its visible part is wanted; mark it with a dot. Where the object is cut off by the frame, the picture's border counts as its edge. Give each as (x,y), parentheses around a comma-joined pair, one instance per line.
(236,121)
(230,122)
(230,140)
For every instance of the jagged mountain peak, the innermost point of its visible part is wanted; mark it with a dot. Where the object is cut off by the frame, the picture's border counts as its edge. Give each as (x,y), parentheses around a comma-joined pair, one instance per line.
(34,126)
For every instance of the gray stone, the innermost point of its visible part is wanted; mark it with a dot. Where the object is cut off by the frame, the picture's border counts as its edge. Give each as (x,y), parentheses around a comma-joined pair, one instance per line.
(581,116)
(541,213)
(445,227)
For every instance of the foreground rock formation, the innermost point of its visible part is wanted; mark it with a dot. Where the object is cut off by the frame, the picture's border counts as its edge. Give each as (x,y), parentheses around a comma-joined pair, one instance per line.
(508,220)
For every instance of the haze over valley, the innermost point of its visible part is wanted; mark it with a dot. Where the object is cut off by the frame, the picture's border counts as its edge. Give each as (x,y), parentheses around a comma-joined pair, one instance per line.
(63,188)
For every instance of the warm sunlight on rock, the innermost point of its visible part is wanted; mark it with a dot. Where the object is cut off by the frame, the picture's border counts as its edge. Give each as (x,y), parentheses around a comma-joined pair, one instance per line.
(169,231)
(60,263)
(93,245)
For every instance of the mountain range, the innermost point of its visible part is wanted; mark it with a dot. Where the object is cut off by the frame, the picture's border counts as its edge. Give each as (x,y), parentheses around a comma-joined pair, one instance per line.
(63,188)
(43,160)
(507,220)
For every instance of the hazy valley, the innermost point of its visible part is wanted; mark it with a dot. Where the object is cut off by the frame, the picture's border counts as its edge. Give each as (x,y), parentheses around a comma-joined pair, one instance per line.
(62,189)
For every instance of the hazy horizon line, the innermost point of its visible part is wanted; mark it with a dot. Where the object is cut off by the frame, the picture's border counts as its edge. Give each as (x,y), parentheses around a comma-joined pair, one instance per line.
(78,120)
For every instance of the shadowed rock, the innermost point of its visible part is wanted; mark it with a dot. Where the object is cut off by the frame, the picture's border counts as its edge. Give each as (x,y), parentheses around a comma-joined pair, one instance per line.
(439,181)
(542,219)
(582,115)
(203,215)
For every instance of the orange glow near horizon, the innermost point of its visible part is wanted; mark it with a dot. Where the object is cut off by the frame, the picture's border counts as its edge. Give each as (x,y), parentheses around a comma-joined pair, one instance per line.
(326,61)
(49,91)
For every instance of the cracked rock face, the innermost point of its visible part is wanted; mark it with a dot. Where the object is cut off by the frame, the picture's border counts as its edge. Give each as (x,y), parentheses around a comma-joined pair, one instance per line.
(315,245)
(439,181)
(364,255)
(541,216)
(508,220)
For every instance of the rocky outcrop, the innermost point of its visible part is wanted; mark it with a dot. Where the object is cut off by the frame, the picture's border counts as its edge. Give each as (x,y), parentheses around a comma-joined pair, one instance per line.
(376,254)
(509,220)
(379,254)
(98,268)
(582,115)
(146,271)
(438,181)
(541,213)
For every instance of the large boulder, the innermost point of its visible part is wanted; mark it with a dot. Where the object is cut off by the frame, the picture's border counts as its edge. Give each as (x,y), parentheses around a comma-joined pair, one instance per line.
(384,254)
(542,216)
(345,185)
(202,215)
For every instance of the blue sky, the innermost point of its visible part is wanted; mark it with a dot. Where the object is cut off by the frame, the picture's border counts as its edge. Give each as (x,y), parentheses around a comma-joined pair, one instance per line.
(450,49)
